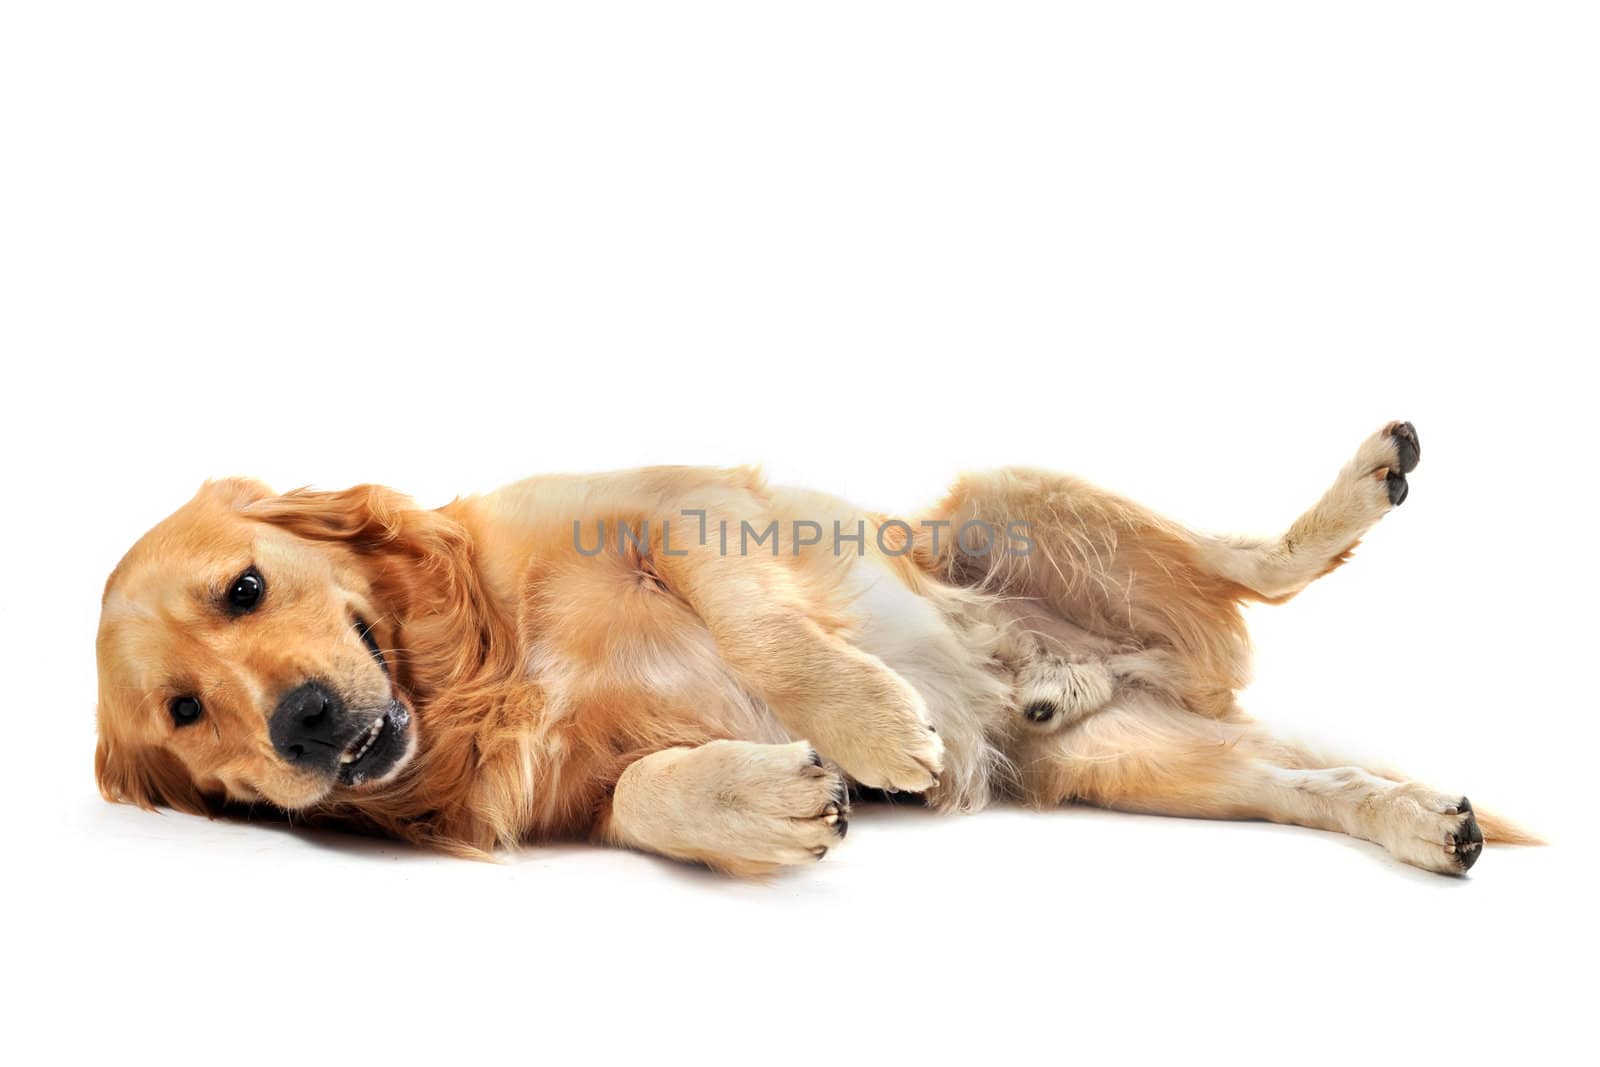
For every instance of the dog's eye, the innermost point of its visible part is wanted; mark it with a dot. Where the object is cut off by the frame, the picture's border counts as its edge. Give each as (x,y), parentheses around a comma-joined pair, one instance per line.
(245,593)
(365,632)
(185,711)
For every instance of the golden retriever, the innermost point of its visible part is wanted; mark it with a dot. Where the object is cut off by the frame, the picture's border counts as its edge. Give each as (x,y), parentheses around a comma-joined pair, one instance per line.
(694,663)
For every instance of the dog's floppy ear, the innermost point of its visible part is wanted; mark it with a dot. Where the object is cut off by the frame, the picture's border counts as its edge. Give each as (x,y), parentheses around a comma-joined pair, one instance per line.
(422,566)
(236,493)
(364,516)
(397,542)
(146,776)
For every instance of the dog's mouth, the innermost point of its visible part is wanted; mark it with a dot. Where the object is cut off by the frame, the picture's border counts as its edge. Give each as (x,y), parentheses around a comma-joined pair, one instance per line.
(363,744)
(379,749)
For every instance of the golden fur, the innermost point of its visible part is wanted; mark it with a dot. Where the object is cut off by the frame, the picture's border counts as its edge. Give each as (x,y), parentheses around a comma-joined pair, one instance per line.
(711,705)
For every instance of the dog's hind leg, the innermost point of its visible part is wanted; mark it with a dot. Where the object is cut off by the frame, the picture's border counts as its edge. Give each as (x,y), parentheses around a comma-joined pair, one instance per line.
(1144,582)
(1146,757)
(1371,485)
(1113,569)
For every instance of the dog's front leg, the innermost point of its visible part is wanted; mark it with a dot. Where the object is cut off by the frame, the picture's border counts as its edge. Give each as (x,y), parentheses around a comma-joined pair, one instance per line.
(854,708)
(737,806)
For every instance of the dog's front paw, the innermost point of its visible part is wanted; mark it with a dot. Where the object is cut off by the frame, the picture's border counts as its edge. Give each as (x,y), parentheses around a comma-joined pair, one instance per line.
(1431,830)
(772,806)
(886,742)
(908,763)
(738,806)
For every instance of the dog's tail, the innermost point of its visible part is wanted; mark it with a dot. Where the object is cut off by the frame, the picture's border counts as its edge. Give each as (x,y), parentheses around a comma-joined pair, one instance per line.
(1497,830)
(1500,831)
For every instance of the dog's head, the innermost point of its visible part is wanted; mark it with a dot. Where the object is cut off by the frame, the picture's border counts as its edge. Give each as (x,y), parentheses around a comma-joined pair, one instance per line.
(245,651)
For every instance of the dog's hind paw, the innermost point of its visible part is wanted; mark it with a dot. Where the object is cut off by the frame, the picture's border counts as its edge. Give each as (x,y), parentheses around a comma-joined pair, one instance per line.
(1053,693)
(1407,445)
(1387,457)
(1431,830)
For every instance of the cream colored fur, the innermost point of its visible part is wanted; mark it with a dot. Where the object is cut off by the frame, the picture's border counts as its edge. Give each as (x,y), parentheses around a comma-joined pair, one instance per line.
(1124,624)
(741,807)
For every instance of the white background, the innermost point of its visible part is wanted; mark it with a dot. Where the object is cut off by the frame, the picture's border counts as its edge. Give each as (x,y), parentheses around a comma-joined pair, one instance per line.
(1193,251)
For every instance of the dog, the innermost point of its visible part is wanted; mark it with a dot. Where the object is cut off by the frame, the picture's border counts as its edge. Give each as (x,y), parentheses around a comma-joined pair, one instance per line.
(593,657)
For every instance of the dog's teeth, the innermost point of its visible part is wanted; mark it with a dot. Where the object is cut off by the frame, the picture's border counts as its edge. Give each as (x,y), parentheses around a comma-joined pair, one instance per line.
(360,748)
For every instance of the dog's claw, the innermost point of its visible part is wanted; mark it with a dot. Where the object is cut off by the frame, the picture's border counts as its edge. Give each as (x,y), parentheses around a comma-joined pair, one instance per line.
(1039,711)
(1466,843)
(1407,445)
(1398,487)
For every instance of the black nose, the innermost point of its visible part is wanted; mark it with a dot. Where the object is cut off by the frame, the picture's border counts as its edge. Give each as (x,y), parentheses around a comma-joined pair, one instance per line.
(304,724)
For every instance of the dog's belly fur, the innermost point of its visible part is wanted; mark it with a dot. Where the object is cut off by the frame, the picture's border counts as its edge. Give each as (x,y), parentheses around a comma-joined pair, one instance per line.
(960,649)
(947,644)
(957,647)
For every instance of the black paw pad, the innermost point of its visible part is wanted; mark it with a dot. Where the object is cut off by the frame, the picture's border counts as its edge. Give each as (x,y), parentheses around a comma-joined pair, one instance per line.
(1398,488)
(1468,840)
(1407,446)
(841,827)
(816,758)
(1040,711)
